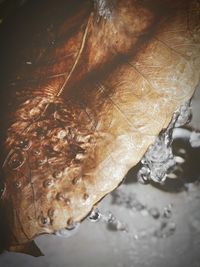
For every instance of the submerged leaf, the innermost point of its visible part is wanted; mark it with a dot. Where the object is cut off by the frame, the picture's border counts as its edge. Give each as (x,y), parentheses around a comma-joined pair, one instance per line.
(90,106)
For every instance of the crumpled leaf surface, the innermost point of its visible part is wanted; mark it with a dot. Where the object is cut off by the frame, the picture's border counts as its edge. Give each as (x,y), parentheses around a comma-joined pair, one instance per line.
(89,106)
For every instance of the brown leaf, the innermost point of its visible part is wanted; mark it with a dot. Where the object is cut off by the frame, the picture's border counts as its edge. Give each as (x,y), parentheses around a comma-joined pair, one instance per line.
(90,106)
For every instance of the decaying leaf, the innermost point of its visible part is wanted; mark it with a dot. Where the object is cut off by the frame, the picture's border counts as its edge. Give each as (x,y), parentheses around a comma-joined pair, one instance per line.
(90,106)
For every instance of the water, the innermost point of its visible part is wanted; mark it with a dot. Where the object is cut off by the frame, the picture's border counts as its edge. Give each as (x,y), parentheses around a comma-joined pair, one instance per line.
(104,9)
(154,212)
(95,215)
(68,232)
(159,159)
(130,201)
(163,227)
(138,224)
(166,229)
(109,219)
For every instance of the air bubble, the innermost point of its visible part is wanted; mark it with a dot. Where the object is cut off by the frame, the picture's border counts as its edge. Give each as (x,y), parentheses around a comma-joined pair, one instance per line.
(67,201)
(79,157)
(16,160)
(179,159)
(113,223)
(128,200)
(61,134)
(95,216)
(109,219)
(154,212)
(66,232)
(41,161)
(43,221)
(143,175)
(182,151)
(51,212)
(85,196)
(48,183)
(172,227)
(57,174)
(60,196)
(41,133)
(50,152)
(18,184)
(76,180)
(166,229)
(34,112)
(167,213)
(70,224)
(36,152)
(75,149)
(24,144)
(62,115)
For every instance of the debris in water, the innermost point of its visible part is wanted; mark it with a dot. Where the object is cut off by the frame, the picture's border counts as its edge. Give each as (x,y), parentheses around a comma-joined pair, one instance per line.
(166,229)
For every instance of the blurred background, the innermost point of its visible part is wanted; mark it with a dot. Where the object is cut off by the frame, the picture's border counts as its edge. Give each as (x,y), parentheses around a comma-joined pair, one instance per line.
(137,225)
